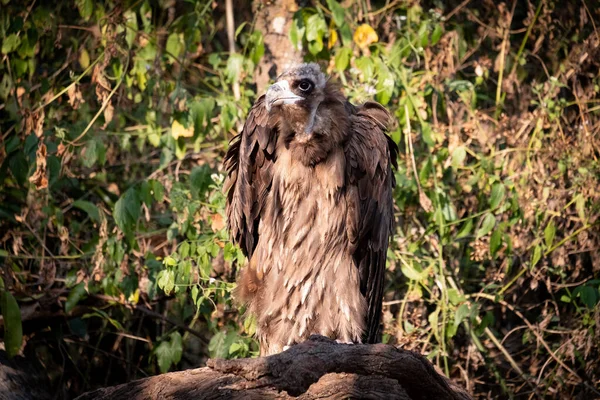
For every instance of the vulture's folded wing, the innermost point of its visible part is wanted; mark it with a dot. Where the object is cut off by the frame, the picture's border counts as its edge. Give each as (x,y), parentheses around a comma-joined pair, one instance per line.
(370,154)
(249,162)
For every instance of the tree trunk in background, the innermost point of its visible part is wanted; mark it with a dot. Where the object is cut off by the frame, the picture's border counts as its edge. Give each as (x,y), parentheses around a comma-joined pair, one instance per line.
(274,19)
(319,368)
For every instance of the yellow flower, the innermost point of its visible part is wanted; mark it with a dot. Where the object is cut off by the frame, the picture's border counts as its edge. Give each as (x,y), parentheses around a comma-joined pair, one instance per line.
(333,38)
(365,35)
(178,130)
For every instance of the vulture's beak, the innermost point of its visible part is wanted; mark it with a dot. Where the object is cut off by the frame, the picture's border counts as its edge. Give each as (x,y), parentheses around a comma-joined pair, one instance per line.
(280,93)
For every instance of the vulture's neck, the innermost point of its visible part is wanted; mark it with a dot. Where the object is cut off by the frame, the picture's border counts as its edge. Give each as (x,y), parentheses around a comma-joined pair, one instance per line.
(313,131)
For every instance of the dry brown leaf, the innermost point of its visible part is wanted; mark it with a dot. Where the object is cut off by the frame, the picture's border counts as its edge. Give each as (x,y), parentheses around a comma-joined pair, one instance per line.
(39,178)
(425,202)
(217,222)
(109,112)
(34,122)
(75,96)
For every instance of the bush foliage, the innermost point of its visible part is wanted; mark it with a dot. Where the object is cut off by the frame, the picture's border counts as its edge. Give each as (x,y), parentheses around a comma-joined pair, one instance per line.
(115,116)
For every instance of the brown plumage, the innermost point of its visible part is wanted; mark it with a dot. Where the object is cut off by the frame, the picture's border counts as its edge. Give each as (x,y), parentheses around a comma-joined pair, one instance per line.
(309,201)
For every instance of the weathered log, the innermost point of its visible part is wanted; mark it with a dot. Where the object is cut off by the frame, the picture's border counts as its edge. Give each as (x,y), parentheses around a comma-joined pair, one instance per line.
(22,379)
(316,369)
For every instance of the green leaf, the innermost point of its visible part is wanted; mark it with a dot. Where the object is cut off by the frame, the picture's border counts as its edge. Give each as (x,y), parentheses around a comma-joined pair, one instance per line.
(90,155)
(455,297)
(200,180)
(175,45)
(580,207)
(195,292)
(234,347)
(13,330)
(461,312)
(258,48)
(170,261)
(385,84)
(436,34)
(413,271)
(131,27)
(10,43)
(537,255)
(89,208)
(296,34)
(219,344)
(102,314)
(166,281)
(184,250)
(77,293)
(315,29)
(366,66)
(426,133)
(342,59)
(458,157)
(337,11)
(588,295)
(127,210)
(250,324)
(549,233)
(85,7)
(489,221)
(497,195)
(169,352)
(157,190)
(201,113)
(565,299)
(433,322)
(495,242)
(465,229)
(235,66)
(346,34)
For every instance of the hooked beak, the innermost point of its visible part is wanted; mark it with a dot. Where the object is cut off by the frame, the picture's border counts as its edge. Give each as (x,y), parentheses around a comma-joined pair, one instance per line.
(280,93)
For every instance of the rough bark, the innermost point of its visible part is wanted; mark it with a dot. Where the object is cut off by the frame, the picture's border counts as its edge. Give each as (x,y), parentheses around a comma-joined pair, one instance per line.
(316,369)
(273,19)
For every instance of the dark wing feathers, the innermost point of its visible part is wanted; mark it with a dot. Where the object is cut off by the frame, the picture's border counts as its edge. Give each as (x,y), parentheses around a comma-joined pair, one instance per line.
(249,162)
(370,154)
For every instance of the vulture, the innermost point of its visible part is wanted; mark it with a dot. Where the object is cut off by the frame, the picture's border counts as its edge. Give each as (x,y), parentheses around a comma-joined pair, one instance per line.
(309,201)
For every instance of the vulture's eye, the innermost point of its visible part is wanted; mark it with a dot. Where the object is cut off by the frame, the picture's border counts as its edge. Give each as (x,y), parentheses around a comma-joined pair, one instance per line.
(305,85)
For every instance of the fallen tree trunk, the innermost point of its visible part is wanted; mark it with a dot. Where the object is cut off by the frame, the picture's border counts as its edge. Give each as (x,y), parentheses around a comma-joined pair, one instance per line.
(316,369)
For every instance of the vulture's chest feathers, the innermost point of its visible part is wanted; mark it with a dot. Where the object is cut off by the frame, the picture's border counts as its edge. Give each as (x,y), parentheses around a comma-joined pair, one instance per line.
(303,255)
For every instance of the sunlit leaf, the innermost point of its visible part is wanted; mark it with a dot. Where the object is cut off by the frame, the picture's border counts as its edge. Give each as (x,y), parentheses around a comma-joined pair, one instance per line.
(549,233)
(537,255)
(166,280)
(178,130)
(10,43)
(488,223)
(337,11)
(342,59)
(497,195)
(458,157)
(365,35)
(85,7)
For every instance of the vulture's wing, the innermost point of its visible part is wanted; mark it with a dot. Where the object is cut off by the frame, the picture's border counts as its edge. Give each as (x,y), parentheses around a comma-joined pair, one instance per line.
(370,153)
(249,162)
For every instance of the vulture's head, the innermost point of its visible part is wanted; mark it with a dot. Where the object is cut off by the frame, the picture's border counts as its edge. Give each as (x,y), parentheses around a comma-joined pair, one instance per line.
(311,112)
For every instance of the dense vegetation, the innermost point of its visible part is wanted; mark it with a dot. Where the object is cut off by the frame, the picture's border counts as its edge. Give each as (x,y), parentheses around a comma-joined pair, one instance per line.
(114,118)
